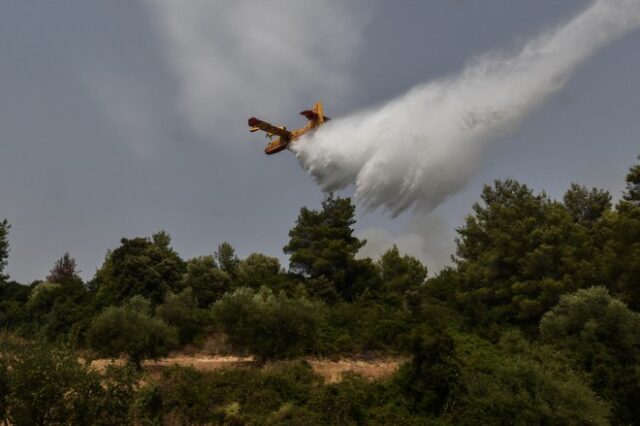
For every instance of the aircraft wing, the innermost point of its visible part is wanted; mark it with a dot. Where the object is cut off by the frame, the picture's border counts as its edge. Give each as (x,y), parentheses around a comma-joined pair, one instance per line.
(269,128)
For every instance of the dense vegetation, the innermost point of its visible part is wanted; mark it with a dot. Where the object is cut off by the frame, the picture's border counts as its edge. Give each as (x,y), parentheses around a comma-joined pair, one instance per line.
(536,322)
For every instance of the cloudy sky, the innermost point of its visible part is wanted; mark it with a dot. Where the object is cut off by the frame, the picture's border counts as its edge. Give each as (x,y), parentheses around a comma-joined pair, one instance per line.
(122,118)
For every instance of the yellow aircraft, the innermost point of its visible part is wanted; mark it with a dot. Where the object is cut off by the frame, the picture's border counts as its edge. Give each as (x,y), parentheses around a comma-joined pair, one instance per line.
(316,119)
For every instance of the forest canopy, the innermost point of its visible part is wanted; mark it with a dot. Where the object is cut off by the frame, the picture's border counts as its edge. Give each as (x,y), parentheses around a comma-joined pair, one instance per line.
(535,322)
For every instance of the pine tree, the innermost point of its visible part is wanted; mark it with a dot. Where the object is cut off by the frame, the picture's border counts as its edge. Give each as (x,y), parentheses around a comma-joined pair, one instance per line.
(322,244)
(64,270)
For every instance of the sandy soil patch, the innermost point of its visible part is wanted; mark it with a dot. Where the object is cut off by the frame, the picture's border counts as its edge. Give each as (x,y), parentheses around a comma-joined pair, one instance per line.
(376,369)
(331,370)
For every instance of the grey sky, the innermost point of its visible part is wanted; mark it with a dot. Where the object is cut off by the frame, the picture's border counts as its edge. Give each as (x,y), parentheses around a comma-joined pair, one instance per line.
(123,118)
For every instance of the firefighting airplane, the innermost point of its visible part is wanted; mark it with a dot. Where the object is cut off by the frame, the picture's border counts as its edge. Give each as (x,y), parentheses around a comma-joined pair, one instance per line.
(316,119)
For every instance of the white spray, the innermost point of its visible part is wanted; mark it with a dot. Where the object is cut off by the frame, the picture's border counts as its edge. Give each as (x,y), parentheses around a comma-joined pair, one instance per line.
(420,148)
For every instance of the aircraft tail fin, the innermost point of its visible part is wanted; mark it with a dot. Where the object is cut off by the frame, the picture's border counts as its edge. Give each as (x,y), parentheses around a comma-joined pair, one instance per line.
(316,113)
(317,108)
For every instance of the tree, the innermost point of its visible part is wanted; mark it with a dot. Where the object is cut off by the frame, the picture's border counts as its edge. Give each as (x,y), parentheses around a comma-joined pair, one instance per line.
(401,276)
(128,329)
(517,254)
(140,266)
(227,259)
(13,297)
(620,258)
(584,206)
(429,380)
(268,325)
(58,311)
(258,270)
(4,248)
(64,271)
(632,193)
(322,244)
(515,383)
(208,281)
(602,336)
(181,311)
(590,322)
(49,385)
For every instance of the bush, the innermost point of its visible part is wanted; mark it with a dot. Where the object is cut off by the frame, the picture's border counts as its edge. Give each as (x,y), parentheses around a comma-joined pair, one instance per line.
(181,394)
(516,383)
(365,325)
(590,324)
(235,396)
(346,402)
(269,325)
(4,389)
(47,385)
(206,279)
(258,270)
(181,311)
(129,330)
(146,267)
(430,379)
(601,335)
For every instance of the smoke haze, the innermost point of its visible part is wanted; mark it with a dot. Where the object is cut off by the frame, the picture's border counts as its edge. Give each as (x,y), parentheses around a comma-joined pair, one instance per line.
(422,147)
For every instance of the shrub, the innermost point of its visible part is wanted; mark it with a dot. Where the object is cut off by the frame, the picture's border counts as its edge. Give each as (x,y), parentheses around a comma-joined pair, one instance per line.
(269,325)
(207,280)
(181,311)
(601,335)
(258,270)
(430,379)
(235,396)
(129,330)
(345,402)
(181,394)
(4,389)
(517,383)
(48,385)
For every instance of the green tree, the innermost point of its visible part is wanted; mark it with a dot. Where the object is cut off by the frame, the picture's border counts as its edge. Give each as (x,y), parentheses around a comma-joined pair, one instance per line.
(59,311)
(517,383)
(41,301)
(207,280)
(128,329)
(4,248)
(602,336)
(584,206)
(632,193)
(258,270)
(517,254)
(430,379)
(322,244)
(48,385)
(269,325)
(401,276)
(140,266)
(181,311)
(13,297)
(619,262)
(227,259)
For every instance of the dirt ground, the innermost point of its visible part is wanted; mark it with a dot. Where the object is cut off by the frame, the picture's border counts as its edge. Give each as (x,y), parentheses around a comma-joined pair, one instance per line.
(330,369)
(371,369)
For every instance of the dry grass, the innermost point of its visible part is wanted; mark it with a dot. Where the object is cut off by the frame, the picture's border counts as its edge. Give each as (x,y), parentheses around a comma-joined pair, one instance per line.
(330,369)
